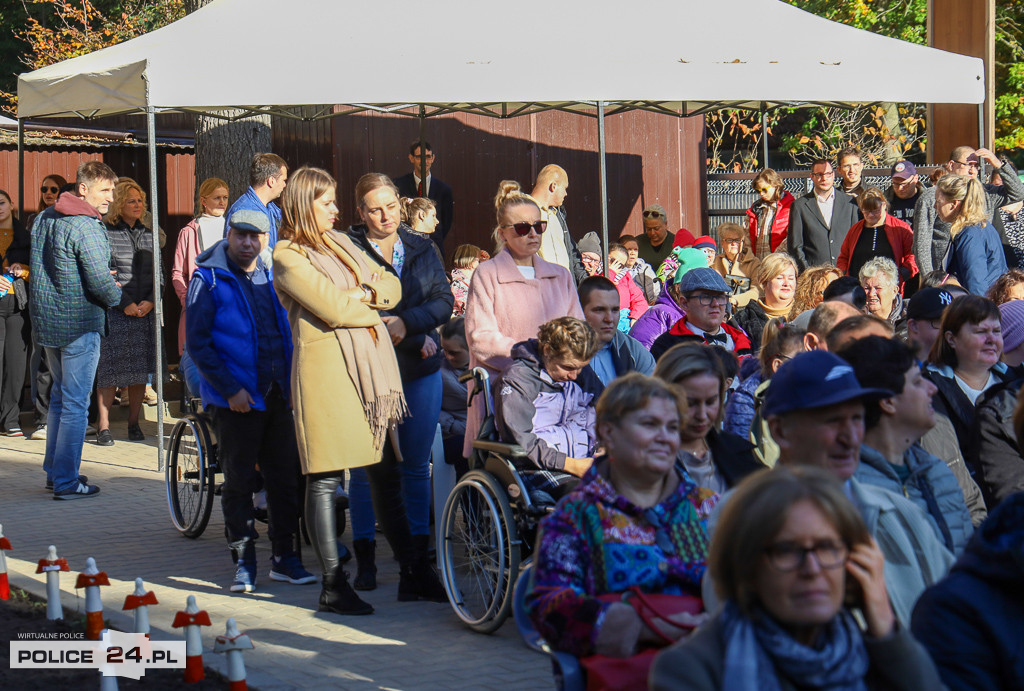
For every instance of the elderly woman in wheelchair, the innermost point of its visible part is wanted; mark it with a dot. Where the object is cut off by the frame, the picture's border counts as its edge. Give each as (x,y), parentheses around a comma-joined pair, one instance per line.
(633,530)
(544,402)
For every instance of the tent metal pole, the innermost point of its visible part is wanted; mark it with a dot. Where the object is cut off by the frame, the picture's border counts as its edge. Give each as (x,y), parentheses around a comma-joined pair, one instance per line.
(764,135)
(21,167)
(603,184)
(423,150)
(158,307)
(981,126)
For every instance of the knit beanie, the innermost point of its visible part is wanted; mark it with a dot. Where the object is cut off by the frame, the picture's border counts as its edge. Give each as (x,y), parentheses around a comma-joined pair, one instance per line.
(1011,314)
(683,238)
(589,243)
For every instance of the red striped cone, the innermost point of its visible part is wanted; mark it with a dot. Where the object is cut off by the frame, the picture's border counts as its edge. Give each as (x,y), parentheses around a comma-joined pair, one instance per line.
(191,619)
(91,579)
(232,643)
(5,586)
(52,565)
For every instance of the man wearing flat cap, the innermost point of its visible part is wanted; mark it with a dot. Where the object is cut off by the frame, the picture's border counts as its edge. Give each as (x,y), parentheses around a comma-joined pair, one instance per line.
(704,297)
(238,335)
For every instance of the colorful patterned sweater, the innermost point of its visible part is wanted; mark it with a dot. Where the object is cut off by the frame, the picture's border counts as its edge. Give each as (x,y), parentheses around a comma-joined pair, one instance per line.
(597,542)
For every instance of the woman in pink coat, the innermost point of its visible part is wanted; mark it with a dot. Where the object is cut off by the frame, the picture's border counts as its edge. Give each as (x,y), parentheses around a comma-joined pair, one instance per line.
(512,294)
(201,233)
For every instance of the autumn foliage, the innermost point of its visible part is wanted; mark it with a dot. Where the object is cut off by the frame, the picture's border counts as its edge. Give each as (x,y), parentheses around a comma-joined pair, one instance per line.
(57,30)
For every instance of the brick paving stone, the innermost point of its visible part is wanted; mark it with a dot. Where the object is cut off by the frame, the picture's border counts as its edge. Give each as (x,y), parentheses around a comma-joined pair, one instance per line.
(128,531)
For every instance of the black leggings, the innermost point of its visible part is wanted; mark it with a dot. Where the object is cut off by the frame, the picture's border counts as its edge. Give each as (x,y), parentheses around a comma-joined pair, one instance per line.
(386,492)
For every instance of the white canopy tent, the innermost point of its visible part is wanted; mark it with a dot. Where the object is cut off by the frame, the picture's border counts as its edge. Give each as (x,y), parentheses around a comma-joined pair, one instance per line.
(272,57)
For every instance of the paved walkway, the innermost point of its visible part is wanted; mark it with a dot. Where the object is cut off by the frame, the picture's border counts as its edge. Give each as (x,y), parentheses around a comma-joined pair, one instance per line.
(127,529)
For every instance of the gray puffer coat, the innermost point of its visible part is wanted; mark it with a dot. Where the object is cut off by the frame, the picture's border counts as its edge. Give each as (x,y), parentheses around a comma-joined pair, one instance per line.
(931,485)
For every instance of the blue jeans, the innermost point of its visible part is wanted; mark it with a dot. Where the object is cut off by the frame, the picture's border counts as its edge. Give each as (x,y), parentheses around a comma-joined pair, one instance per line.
(415,435)
(190,372)
(73,368)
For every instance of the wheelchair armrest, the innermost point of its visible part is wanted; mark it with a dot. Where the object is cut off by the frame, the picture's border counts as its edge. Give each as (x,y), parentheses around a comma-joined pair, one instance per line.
(509,450)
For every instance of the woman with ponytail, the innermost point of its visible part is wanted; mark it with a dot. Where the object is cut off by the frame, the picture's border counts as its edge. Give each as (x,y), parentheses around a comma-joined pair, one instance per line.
(975,256)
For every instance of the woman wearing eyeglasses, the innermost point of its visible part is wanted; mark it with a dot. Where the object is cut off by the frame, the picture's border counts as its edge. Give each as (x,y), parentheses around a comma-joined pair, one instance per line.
(789,554)
(39,373)
(512,294)
(768,217)
(412,325)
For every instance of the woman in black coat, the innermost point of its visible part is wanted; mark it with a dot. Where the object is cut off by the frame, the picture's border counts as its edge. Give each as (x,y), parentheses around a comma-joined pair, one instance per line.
(412,324)
(14,327)
(714,459)
(965,362)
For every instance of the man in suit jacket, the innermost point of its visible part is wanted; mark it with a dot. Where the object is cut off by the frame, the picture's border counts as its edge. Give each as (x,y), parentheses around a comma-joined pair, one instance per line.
(819,220)
(411,186)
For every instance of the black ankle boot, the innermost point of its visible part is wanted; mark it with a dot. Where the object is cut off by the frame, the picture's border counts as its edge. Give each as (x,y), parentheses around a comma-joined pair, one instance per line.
(337,596)
(366,569)
(417,580)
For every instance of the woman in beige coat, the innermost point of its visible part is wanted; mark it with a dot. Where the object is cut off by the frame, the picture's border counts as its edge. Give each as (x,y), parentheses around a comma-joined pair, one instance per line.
(346,389)
(737,264)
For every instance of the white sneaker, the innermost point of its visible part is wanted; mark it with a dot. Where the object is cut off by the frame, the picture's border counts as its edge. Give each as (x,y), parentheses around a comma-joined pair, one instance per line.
(39,434)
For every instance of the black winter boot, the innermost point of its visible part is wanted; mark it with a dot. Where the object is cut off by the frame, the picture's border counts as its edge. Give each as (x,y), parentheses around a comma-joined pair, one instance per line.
(417,580)
(337,596)
(366,569)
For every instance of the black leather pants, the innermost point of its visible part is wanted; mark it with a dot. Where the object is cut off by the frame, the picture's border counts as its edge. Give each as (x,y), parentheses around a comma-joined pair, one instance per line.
(386,491)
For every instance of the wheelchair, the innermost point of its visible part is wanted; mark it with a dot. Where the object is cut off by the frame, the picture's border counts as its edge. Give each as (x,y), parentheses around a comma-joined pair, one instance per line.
(488,525)
(192,469)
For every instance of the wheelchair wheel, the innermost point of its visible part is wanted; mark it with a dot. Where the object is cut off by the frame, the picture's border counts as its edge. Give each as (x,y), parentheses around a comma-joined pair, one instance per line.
(480,555)
(191,469)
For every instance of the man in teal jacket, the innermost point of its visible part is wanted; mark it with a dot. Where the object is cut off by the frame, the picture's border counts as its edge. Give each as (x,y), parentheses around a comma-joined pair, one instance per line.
(71,291)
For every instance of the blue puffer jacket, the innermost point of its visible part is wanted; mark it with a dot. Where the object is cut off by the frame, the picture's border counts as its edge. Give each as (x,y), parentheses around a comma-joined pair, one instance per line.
(972,622)
(931,485)
(741,406)
(976,258)
(221,330)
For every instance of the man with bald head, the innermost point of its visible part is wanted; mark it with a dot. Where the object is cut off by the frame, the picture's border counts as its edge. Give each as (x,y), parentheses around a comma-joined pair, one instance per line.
(556,245)
(931,234)
(823,319)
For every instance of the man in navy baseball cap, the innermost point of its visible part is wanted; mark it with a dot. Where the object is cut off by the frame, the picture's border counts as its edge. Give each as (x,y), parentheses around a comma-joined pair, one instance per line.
(814,407)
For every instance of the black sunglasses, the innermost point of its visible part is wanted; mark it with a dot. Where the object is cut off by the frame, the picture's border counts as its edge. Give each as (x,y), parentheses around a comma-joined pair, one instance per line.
(52,190)
(653,214)
(523,227)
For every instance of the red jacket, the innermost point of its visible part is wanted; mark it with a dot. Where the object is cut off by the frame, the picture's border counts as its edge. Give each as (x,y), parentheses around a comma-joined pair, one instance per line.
(779,226)
(630,295)
(900,237)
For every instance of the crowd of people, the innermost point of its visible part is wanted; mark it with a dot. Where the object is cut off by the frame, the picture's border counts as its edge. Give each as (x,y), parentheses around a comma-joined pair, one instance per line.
(791,432)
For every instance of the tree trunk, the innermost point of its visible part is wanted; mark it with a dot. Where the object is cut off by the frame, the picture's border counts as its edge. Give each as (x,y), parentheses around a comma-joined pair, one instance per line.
(224,149)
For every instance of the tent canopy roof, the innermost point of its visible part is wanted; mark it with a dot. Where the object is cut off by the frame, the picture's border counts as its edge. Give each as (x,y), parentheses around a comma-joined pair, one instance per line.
(268,56)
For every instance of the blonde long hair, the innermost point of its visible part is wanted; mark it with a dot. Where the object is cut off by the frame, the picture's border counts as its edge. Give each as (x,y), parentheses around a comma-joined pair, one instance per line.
(120,194)
(973,208)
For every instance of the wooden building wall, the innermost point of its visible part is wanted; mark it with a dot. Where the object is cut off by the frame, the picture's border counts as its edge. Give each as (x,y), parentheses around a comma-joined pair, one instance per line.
(966,27)
(651,159)
(176,179)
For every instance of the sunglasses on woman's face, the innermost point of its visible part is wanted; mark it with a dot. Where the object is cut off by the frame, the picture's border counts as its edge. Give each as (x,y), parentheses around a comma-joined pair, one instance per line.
(523,227)
(52,190)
